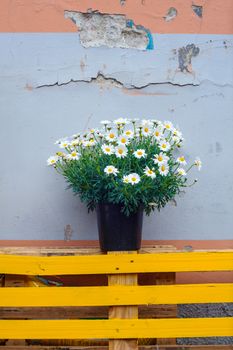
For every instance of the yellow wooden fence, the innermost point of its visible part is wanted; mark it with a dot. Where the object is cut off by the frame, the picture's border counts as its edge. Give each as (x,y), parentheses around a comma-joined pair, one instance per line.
(115,295)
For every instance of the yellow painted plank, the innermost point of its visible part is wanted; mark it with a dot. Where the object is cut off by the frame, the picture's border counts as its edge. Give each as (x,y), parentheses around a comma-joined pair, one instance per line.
(109,264)
(116,295)
(116,328)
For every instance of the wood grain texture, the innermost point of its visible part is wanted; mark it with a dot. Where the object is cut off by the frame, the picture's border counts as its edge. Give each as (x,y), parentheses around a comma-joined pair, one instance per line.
(142,347)
(123,312)
(116,328)
(127,294)
(112,264)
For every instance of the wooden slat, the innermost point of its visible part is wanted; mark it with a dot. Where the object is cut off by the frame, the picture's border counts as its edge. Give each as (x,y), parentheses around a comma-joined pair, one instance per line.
(112,264)
(116,328)
(142,347)
(75,312)
(123,312)
(117,295)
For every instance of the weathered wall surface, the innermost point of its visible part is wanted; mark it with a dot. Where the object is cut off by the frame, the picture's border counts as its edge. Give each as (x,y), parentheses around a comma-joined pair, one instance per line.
(65,65)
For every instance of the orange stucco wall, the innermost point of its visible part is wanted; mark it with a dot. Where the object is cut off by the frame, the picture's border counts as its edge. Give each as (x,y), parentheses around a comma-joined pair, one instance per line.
(48,15)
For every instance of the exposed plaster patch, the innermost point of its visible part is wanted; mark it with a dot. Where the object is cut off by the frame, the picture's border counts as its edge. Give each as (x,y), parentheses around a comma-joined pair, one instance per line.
(198,10)
(185,55)
(100,29)
(171,14)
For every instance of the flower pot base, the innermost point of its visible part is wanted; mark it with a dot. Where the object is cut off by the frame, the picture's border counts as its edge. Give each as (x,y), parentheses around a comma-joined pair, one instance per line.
(118,232)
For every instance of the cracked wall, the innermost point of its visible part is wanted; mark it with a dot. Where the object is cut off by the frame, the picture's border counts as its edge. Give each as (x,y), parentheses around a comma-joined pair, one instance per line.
(98,29)
(68,64)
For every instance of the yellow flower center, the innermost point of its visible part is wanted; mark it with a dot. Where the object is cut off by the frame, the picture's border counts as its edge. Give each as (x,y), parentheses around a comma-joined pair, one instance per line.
(74,154)
(111,136)
(167,126)
(160,158)
(110,170)
(139,153)
(146,129)
(134,179)
(157,133)
(164,146)
(52,161)
(123,140)
(150,172)
(163,168)
(107,149)
(120,151)
(181,159)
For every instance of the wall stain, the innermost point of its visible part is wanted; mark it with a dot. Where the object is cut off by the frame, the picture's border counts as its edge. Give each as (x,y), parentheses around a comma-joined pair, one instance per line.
(185,55)
(198,10)
(171,14)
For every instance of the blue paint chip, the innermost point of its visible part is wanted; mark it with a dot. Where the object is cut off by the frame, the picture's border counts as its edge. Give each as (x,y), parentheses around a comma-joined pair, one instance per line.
(150,45)
(129,23)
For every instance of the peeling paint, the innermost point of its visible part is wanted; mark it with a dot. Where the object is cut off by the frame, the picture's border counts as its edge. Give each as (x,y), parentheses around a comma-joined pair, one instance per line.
(197,9)
(185,55)
(100,29)
(171,14)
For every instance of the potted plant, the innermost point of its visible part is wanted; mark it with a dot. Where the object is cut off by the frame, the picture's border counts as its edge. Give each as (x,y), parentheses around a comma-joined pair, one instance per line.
(123,169)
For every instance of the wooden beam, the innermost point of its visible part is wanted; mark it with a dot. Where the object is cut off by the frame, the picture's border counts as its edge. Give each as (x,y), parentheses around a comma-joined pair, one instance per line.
(116,328)
(117,295)
(112,264)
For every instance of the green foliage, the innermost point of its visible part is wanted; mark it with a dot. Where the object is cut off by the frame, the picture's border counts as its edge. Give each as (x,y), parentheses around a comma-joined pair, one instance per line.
(84,167)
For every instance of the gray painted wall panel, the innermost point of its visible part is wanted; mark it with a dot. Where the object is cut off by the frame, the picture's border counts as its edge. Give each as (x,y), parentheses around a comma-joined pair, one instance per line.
(34,203)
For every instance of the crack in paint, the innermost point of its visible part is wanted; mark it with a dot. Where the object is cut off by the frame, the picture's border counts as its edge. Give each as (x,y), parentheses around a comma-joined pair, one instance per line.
(103,80)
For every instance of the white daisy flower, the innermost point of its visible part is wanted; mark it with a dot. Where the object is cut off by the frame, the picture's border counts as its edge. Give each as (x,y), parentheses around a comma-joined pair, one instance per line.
(121,121)
(126,179)
(111,136)
(146,122)
(181,160)
(176,140)
(105,122)
(121,151)
(123,140)
(73,156)
(107,149)
(52,160)
(181,172)
(160,158)
(177,133)
(64,144)
(158,133)
(110,169)
(146,130)
(164,146)
(198,163)
(89,143)
(134,178)
(164,169)
(149,172)
(140,153)
(168,125)
(129,134)
(75,142)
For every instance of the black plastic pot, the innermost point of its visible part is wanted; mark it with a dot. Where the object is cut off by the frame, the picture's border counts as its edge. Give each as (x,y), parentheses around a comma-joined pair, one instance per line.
(118,232)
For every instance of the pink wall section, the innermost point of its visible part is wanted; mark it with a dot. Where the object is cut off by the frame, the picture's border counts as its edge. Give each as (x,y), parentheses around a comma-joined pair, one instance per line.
(48,16)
